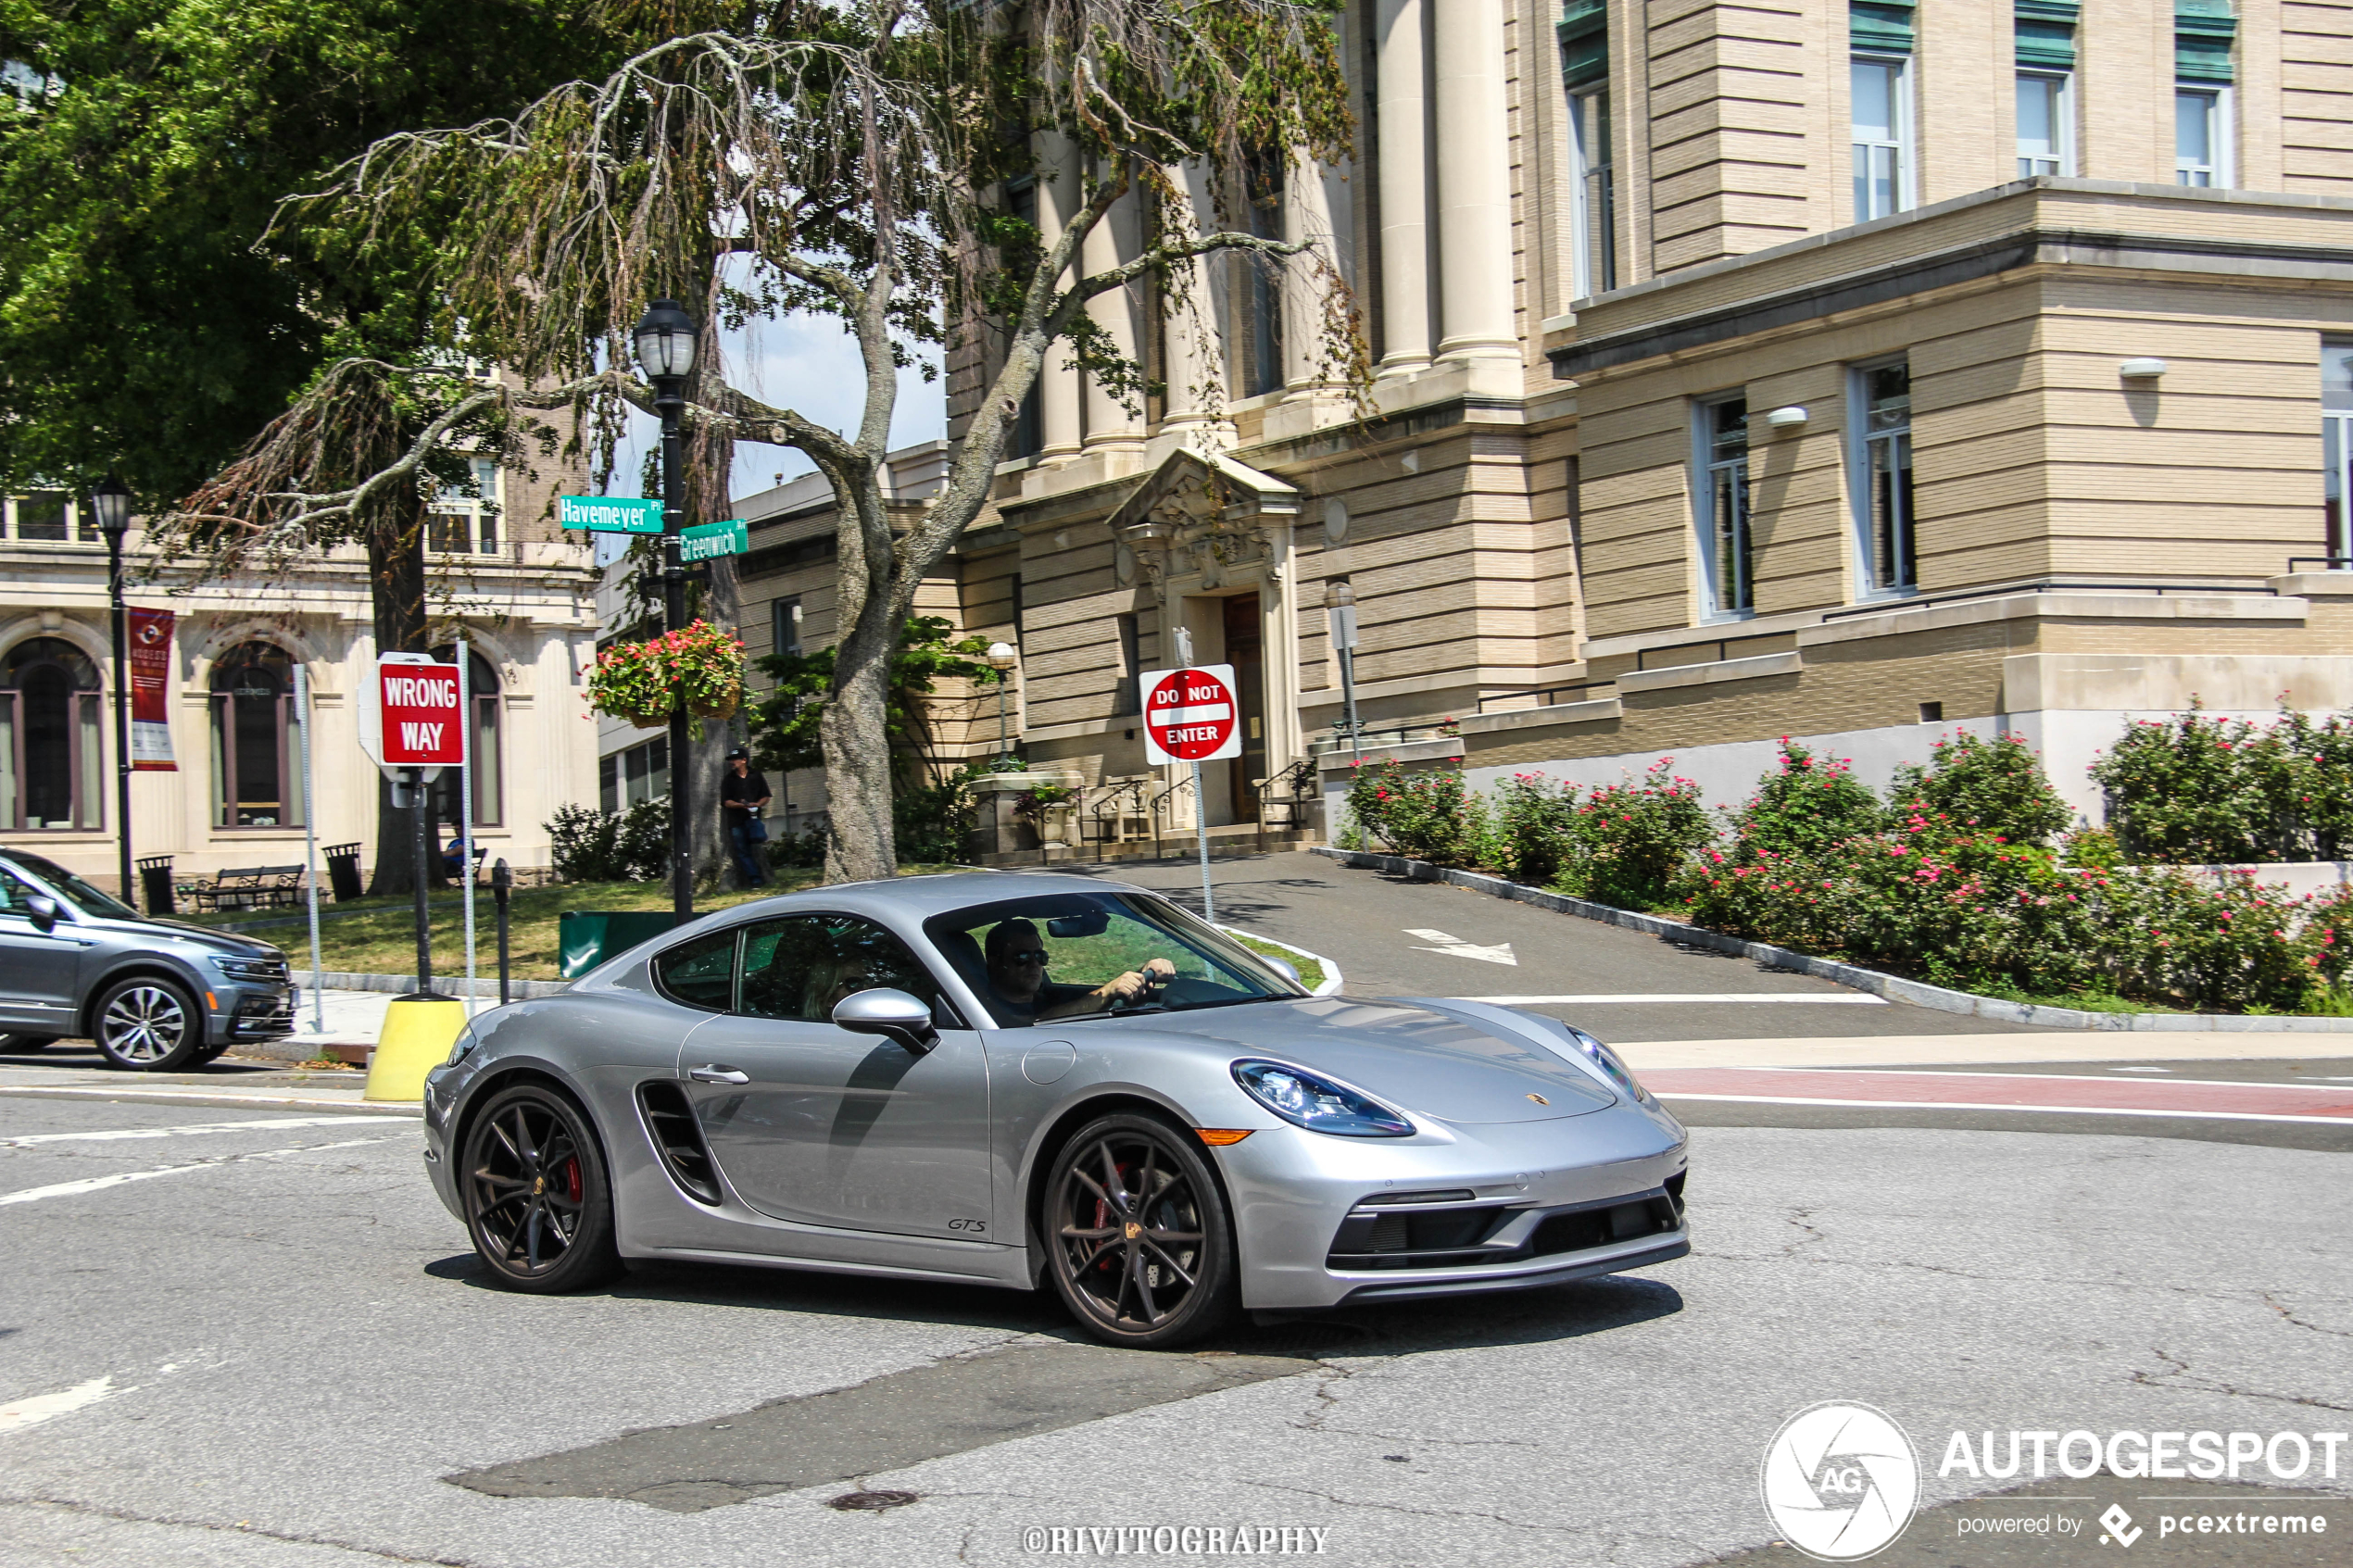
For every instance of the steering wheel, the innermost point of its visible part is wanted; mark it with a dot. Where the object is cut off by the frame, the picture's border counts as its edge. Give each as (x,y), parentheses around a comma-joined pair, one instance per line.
(1155,985)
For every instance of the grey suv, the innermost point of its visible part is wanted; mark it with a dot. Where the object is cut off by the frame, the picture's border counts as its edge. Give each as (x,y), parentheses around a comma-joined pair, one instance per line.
(155,995)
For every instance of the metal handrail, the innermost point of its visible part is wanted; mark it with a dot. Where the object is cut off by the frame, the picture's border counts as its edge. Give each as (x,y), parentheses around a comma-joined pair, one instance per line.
(1184,781)
(1880,607)
(2328,563)
(1106,809)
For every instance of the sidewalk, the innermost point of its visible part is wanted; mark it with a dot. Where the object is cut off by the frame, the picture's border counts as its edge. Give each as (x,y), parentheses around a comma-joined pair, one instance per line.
(1957,1050)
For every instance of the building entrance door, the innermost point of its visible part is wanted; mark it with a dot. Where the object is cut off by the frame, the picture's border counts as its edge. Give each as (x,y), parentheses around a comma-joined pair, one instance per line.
(1245,650)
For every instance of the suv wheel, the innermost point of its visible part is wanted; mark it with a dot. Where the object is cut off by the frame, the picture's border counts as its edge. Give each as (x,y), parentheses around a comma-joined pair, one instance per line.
(147,1026)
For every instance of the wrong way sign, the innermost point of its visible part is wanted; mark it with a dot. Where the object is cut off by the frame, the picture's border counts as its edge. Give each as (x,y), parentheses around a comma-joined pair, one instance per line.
(1191,715)
(412,714)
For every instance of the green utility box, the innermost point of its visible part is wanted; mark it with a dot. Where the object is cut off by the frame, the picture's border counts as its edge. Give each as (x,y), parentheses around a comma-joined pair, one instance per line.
(587,937)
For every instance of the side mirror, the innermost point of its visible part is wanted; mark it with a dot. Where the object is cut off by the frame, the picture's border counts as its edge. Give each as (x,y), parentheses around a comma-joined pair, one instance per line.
(1283,967)
(895,1013)
(43,911)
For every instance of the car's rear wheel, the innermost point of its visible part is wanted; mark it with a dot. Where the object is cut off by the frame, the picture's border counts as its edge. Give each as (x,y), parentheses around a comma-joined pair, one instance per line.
(144,1024)
(538,1205)
(26,1042)
(1136,1236)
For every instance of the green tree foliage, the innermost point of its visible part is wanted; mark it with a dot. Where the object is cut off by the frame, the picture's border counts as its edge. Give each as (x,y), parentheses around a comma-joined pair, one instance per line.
(785,724)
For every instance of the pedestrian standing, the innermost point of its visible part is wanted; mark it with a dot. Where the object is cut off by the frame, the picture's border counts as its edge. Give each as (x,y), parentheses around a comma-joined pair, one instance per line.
(743,801)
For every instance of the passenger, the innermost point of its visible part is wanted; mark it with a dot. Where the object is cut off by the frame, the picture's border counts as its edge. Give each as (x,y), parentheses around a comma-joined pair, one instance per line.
(1022,994)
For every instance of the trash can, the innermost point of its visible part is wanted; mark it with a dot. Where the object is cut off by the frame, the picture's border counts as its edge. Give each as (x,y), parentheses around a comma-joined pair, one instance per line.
(585,938)
(155,884)
(342,872)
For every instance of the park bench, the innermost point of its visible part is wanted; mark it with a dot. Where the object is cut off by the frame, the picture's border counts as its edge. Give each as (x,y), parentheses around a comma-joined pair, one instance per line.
(254,887)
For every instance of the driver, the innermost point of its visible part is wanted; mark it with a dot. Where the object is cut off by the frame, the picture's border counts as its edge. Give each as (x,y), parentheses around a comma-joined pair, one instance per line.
(1016,957)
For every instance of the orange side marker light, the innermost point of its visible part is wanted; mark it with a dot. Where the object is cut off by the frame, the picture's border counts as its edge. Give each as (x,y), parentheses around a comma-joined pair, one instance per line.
(1218,1138)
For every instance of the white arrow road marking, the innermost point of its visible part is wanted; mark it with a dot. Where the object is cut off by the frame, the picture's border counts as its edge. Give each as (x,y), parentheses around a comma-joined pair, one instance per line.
(1456,947)
(99,1183)
(32,1412)
(112,1135)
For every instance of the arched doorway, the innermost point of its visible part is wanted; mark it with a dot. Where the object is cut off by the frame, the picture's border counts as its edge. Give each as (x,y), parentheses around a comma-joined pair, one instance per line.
(253,784)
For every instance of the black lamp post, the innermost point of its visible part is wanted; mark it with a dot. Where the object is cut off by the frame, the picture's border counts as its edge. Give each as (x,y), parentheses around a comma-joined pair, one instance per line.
(110,504)
(666,337)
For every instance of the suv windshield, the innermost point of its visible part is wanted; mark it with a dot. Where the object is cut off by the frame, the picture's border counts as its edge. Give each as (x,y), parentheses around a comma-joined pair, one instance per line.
(73,890)
(1075,955)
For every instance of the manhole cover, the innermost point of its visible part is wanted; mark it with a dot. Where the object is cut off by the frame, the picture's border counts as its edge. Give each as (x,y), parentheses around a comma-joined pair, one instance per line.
(871,1502)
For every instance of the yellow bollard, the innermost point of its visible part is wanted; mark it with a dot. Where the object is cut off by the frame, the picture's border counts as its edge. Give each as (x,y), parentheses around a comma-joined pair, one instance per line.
(416,1036)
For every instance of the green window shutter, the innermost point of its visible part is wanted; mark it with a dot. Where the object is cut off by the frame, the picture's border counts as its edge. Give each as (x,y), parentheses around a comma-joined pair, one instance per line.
(1881,27)
(2203,31)
(1584,40)
(2045,32)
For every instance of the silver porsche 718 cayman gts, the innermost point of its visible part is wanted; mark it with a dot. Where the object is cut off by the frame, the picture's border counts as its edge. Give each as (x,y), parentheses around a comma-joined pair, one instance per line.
(1003,1078)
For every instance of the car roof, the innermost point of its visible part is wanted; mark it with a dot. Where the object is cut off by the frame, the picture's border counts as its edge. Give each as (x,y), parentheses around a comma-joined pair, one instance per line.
(920,897)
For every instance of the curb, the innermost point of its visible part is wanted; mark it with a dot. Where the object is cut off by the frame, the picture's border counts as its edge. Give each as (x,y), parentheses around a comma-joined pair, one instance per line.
(210,1098)
(1893,987)
(1330,987)
(454,986)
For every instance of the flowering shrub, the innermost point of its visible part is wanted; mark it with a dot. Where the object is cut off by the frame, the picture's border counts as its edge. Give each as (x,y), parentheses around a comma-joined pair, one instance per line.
(1805,806)
(1627,840)
(1994,786)
(700,664)
(1534,820)
(1431,816)
(2194,789)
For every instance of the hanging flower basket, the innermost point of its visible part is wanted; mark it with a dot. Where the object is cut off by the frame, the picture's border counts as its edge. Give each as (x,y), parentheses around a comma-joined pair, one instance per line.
(700,664)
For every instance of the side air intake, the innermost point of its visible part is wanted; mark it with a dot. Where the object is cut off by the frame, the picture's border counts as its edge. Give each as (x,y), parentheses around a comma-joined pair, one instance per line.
(669,1120)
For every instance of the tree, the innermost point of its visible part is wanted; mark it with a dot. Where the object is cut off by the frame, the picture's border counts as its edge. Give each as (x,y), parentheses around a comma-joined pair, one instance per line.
(850,158)
(786,725)
(145,152)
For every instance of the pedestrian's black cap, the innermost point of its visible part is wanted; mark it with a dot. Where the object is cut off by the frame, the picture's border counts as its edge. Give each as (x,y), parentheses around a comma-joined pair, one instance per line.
(739,755)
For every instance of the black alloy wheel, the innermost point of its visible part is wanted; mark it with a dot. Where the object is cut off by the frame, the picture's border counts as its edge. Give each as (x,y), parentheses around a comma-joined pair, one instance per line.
(145,1024)
(26,1042)
(538,1206)
(1136,1236)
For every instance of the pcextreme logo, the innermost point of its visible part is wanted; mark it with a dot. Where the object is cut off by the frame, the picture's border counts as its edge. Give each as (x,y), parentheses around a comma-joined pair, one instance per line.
(1839,1481)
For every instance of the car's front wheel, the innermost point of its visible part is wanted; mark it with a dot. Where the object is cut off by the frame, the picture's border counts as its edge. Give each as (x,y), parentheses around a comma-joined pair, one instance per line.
(538,1205)
(1136,1235)
(144,1024)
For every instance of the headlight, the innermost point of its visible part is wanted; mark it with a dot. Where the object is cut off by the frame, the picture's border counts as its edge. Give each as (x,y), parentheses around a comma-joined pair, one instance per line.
(1615,1071)
(251,969)
(1316,1103)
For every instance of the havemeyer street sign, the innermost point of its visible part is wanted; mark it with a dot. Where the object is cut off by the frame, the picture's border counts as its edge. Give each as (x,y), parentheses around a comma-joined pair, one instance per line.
(609,514)
(1191,715)
(417,717)
(729,538)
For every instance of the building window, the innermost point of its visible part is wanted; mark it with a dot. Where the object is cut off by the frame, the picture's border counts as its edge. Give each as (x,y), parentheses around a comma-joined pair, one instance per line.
(1126,697)
(2045,124)
(1883,476)
(2201,136)
(1881,115)
(783,627)
(1723,523)
(465,520)
(485,697)
(638,775)
(47,517)
(52,775)
(252,706)
(1594,209)
(2336,441)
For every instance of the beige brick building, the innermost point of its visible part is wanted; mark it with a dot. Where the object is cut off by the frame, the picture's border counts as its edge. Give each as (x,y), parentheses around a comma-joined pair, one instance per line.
(1832,369)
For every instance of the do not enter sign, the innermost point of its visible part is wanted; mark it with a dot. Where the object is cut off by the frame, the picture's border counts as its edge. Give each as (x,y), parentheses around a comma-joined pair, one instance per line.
(1191,715)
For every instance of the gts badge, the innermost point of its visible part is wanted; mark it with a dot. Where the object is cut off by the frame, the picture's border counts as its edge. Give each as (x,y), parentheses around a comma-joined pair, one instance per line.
(970,1227)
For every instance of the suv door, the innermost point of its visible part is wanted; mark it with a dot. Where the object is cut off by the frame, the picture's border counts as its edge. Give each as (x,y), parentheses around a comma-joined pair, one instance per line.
(38,969)
(814,1124)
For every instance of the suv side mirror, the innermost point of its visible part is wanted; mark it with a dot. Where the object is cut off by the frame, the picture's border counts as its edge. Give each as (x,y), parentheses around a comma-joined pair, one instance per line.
(895,1013)
(43,911)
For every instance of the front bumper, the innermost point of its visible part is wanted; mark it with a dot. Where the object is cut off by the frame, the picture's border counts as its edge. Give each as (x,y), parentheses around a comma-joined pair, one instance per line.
(1520,1205)
(249,1010)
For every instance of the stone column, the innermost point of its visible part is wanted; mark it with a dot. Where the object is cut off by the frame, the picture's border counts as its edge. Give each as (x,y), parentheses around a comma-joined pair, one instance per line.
(1196,412)
(1058,395)
(1278,634)
(1404,189)
(1473,186)
(1117,239)
(1307,277)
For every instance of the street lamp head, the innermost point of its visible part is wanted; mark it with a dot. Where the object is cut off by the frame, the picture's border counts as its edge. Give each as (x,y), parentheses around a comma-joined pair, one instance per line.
(110,504)
(1338,595)
(1002,656)
(665,336)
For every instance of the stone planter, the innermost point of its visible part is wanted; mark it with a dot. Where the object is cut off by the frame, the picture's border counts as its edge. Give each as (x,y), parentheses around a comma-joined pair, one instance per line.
(998,829)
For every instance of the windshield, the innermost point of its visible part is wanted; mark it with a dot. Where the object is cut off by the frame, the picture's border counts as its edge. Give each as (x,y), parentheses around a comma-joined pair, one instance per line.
(73,890)
(1079,955)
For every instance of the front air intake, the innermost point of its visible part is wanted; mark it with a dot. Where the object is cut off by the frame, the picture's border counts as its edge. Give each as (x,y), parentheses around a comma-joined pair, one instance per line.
(677,1137)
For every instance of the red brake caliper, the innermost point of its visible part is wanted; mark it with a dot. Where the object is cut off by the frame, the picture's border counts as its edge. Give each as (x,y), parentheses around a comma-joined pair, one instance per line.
(572,1178)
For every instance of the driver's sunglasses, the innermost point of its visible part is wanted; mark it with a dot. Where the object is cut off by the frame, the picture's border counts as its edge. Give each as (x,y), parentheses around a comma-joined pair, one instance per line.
(1028,955)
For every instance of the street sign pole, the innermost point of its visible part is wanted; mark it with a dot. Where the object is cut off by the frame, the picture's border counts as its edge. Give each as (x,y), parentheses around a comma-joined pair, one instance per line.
(1192,715)
(670,402)
(416,777)
(466,813)
(412,719)
(309,843)
(1201,831)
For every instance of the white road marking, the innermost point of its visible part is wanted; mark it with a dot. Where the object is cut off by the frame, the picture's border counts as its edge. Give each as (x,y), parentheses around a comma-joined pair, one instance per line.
(128,1094)
(40,1407)
(2140,1070)
(1454,946)
(2017,1109)
(99,1183)
(115,1134)
(1642,998)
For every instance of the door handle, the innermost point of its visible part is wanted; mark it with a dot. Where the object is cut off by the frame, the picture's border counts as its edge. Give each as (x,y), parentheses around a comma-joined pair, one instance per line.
(717,1073)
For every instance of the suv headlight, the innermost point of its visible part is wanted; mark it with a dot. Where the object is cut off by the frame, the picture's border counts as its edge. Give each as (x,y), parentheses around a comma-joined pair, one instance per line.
(1615,1070)
(1306,1100)
(251,969)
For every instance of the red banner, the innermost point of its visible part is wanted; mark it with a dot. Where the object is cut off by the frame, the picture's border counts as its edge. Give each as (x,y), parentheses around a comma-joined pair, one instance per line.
(150,638)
